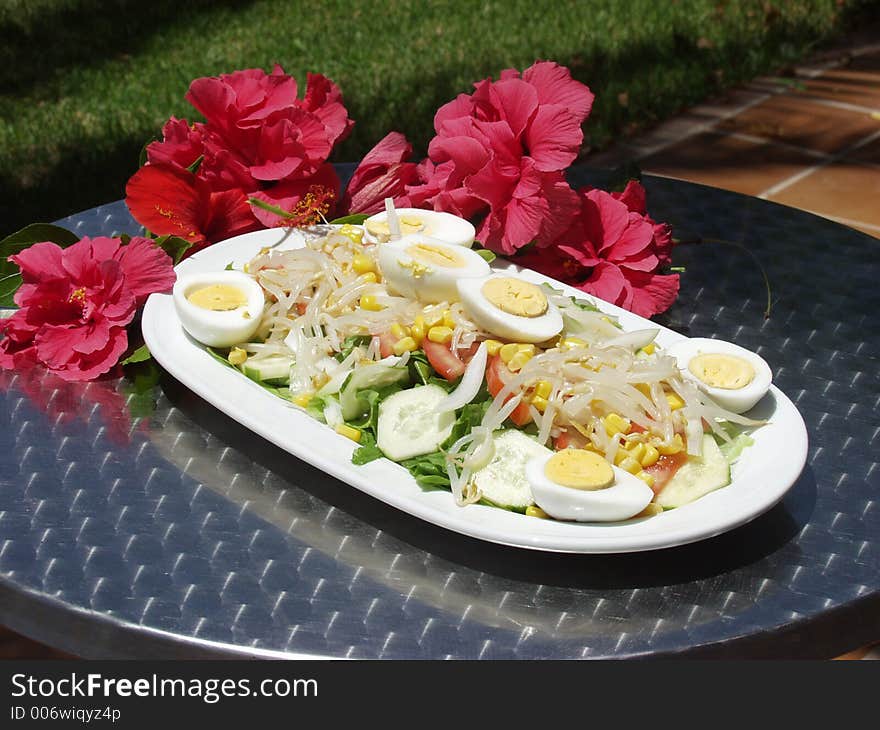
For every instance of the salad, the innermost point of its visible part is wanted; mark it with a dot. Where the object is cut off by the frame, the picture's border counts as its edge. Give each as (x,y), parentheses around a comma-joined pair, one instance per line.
(505,391)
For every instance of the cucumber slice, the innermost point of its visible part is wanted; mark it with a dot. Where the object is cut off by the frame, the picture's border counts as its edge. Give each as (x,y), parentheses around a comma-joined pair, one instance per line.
(409,424)
(274,370)
(699,476)
(374,376)
(503,480)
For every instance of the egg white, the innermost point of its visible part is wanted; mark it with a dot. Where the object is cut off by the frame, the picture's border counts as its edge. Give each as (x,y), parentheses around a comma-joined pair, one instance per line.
(624,499)
(437,283)
(739,400)
(219,329)
(503,324)
(445,227)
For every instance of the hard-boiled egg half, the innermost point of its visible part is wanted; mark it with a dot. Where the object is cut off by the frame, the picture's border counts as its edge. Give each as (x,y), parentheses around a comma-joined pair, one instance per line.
(510,307)
(427,269)
(220,308)
(579,485)
(734,377)
(445,227)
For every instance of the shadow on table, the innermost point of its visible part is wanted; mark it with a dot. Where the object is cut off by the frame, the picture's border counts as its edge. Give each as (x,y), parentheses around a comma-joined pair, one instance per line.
(719,555)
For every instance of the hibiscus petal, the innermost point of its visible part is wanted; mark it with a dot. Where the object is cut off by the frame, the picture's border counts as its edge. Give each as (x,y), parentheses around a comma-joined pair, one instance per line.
(605,219)
(633,240)
(89,367)
(461,106)
(167,200)
(517,101)
(39,261)
(181,144)
(289,194)
(555,85)
(523,218)
(652,293)
(565,208)
(608,283)
(147,268)
(633,197)
(55,344)
(230,215)
(324,100)
(553,138)
(381,174)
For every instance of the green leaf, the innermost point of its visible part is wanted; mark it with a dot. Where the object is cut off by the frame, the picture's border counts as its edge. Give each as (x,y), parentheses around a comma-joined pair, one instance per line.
(367,451)
(141,354)
(486,254)
(349,343)
(194,167)
(356,219)
(229,267)
(174,246)
(15,243)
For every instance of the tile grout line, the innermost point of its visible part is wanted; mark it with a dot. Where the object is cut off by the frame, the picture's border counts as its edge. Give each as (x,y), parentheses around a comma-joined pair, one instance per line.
(836,157)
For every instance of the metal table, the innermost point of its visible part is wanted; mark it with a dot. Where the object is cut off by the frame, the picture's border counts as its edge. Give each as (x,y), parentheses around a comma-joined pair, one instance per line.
(138,521)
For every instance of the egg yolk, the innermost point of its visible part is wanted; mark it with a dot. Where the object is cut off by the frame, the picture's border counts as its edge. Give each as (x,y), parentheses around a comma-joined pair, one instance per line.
(436,255)
(579,469)
(515,296)
(218,297)
(727,372)
(408,224)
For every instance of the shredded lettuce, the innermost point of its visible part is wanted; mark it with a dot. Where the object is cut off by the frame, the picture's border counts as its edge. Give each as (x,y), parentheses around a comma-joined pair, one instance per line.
(739,440)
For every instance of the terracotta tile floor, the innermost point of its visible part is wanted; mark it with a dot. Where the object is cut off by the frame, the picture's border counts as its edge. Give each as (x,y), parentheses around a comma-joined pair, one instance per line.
(812,142)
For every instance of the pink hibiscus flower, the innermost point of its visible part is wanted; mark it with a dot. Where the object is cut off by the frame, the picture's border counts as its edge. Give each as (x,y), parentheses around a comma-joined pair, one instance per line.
(76,302)
(499,155)
(613,252)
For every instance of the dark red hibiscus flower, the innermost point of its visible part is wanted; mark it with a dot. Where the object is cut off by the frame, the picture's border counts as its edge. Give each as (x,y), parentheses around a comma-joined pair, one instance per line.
(258,140)
(383,173)
(75,303)
(613,251)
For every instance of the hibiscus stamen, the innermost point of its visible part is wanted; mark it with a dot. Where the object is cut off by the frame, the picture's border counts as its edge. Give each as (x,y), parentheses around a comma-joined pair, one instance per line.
(308,211)
(77,296)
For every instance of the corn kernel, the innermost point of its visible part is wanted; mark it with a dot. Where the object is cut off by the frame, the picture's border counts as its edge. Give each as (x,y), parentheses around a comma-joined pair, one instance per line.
(673,448)
(637,451)
(417,331)
(631,465)
(543,388)
(407,344)
(540,403)
(399,330)
(528,349)
(362,263)
(349,432)
(646,478)
(368,302)
(518,361)
(615,424)
(653,509)
(644,389)
(369,278)
(533,511)
(440,334)
(448,321)
(237,356)
(674,400)
(355,234)
(649,348)
(303,399)
(508,351)
(570,342)
(493,346)
(650,455)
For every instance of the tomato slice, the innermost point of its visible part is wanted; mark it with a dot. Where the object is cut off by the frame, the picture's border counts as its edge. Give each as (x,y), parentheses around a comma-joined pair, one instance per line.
(664,469)
(443,360)
(497,375)
(386,344)
(569,439)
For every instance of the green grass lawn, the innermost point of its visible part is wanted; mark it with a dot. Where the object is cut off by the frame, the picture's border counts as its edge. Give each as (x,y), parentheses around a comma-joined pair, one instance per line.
(84,83)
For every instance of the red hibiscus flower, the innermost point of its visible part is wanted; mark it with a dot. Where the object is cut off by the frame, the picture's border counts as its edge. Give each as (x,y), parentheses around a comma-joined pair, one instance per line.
(75,303)
(259,140)
(499,154)
(170,200)
(383,173)
(613,252)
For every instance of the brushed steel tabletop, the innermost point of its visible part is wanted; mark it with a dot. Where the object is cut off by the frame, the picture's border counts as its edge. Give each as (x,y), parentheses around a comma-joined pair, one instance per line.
(138,521)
